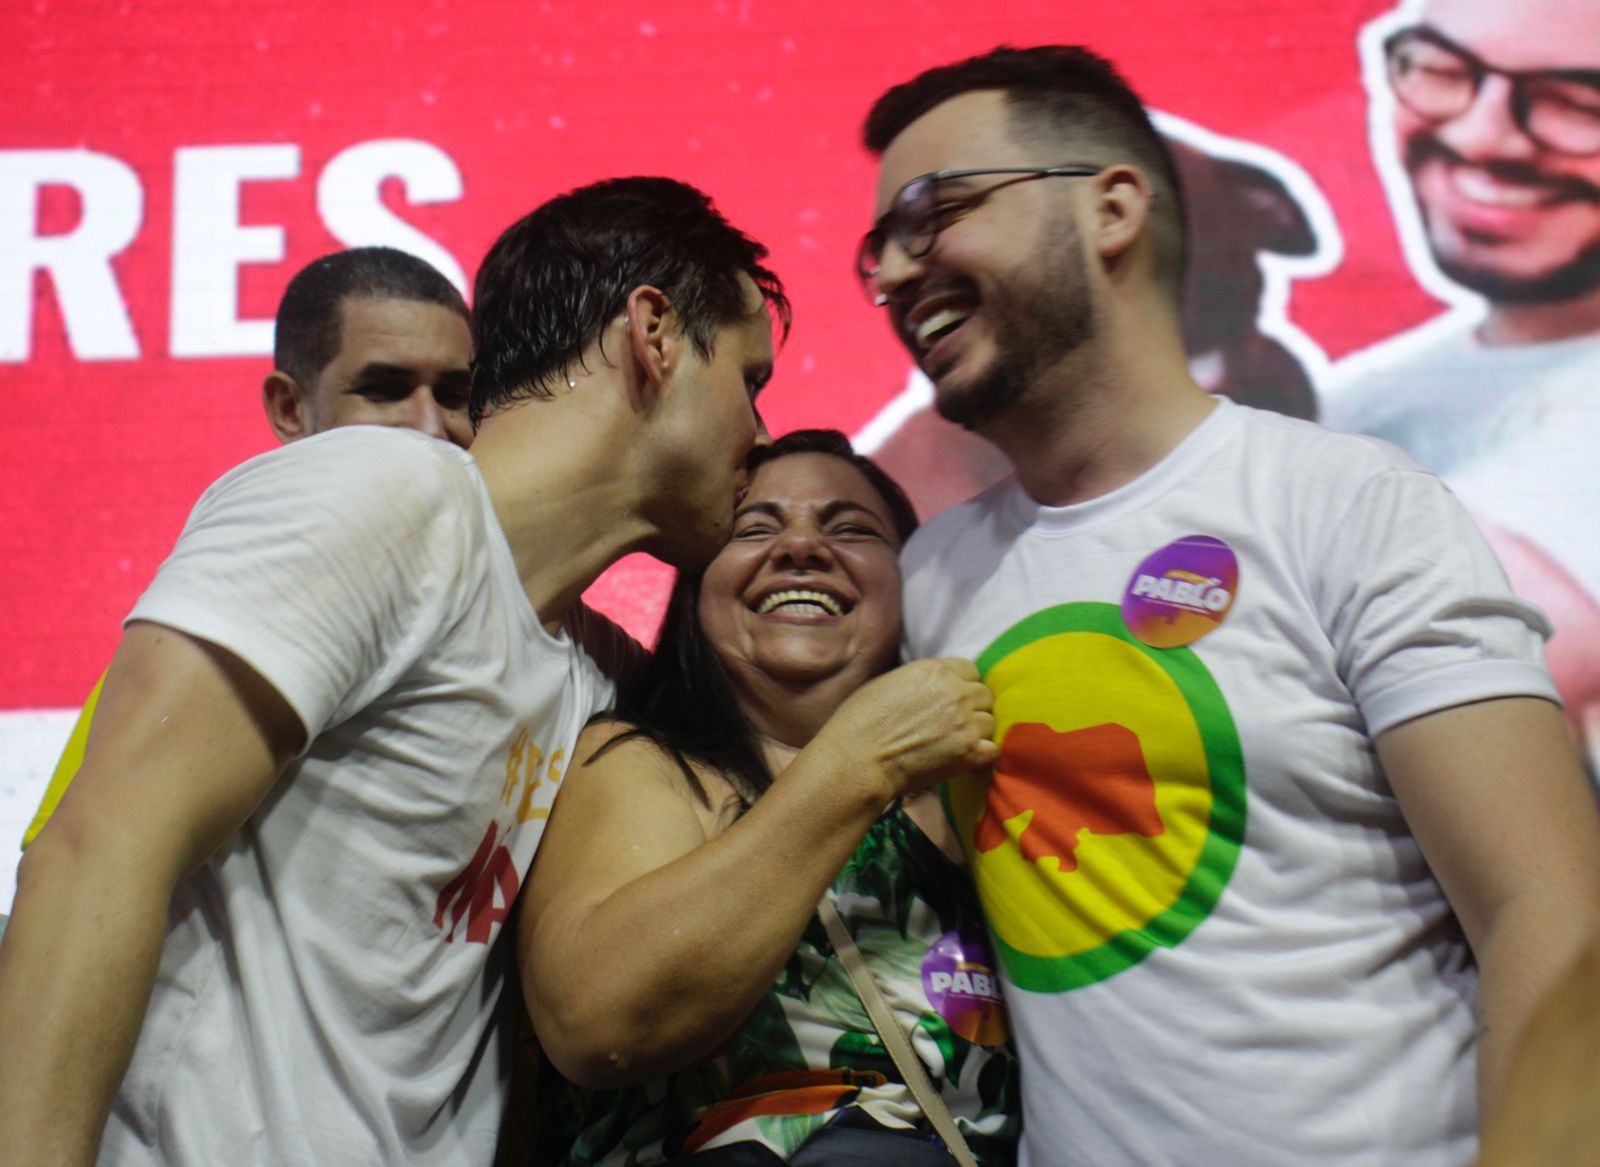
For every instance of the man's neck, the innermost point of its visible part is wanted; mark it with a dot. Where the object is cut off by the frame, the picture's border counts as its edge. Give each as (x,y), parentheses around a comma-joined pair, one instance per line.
(560,487)
(1508,324)
(1101,420)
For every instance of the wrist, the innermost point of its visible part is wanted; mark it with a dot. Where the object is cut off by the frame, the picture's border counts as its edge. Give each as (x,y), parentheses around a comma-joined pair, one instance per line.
(854,785)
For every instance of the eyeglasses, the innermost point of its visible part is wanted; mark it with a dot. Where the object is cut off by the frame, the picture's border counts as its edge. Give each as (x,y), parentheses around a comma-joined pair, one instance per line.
(1438,79)
(916,215)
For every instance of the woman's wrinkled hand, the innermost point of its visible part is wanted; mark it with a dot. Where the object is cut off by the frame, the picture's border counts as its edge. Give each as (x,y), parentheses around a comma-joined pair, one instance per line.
(918,725)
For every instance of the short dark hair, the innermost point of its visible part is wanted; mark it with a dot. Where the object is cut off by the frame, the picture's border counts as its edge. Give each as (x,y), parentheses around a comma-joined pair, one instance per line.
(1065,91)
(311,317)
(684,702)
(557,276)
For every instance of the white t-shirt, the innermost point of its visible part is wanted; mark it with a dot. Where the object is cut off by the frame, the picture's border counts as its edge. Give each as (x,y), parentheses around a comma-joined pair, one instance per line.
(1220,942)
(1513,429)
(329,983)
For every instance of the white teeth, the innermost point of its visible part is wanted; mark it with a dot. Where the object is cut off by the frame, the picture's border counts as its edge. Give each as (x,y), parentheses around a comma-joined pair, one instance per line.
(938,322)
(1484,188)
(810,601)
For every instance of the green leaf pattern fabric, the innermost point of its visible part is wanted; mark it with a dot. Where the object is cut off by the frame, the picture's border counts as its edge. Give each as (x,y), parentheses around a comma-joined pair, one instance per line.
(899,895)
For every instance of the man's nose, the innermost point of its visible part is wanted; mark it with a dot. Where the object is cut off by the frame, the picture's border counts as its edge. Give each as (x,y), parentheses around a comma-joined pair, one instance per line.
(1487,130)
(896,267)
(424,414)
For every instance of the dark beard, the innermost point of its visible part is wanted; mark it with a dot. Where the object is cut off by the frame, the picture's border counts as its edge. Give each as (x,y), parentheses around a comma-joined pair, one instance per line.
(1577,277)
(1574,279)
(1036,325)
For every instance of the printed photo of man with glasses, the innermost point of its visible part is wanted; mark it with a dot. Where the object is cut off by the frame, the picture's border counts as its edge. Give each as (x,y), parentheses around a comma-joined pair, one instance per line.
(1485,124)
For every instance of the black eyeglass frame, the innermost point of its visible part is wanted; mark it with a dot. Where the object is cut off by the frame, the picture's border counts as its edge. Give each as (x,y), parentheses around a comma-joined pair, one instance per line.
(1520,79)
(870,252)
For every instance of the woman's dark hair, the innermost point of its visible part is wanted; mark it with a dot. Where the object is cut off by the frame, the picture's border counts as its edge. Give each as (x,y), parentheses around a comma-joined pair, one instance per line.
(836,445)
(684,701)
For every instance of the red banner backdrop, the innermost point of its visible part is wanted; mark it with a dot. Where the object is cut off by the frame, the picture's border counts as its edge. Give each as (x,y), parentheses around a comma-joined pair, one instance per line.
(165,168)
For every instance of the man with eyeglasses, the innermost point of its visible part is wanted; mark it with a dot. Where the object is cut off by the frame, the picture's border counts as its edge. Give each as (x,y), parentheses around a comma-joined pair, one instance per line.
(1487,130)
(1274,731)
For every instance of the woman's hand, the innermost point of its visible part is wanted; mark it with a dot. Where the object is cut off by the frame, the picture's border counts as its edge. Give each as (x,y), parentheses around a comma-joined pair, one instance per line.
(916,726)
(650,929)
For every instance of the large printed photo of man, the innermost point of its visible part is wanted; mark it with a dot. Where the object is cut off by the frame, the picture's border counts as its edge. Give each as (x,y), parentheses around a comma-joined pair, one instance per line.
(1485,129)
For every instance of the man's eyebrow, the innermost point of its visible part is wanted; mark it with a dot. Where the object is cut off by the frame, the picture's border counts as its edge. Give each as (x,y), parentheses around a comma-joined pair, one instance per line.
(1577,74)
(759,508)
(381,370)
(1428,32)
(840,506)
(829,511)
(966,183)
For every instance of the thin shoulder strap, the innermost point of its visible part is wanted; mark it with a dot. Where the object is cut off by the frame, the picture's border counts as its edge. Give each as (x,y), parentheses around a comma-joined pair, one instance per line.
(894,1038)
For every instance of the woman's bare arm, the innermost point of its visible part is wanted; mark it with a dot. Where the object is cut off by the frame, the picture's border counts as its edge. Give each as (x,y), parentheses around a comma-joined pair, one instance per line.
(647,936)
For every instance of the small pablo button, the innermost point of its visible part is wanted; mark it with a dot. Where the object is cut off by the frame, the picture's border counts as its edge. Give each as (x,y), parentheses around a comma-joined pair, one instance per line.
(1181,592)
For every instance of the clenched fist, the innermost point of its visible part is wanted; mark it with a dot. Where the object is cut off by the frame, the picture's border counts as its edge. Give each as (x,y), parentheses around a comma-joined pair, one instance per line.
(918,725)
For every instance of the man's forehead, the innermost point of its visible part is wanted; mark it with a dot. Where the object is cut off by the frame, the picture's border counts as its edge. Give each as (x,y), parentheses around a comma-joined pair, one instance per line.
(366,321)
(745,344)
(968,131)
(755,330)
(379,335)
(755,304)
(1528,34)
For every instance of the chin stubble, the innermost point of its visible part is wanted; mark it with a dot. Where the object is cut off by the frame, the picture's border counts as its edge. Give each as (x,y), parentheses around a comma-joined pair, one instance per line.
(1577,277)
(1036,323)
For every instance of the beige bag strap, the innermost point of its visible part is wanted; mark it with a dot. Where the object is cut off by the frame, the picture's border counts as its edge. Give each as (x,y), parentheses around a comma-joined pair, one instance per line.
(894,1038)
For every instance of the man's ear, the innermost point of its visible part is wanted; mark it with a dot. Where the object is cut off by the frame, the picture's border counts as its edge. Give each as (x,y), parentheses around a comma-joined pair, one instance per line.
(654,339)
(1122,209)
(285,403)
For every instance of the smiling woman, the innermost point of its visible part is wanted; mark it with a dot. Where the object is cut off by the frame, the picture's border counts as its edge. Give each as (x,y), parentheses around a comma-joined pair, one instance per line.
(670,940)
(807,593)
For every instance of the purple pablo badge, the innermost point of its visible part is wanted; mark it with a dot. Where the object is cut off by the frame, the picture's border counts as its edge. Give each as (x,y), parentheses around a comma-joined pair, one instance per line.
(1181,592)
(959,977)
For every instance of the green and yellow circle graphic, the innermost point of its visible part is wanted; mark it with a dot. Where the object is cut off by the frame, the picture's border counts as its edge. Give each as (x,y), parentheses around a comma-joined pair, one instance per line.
(1112,823)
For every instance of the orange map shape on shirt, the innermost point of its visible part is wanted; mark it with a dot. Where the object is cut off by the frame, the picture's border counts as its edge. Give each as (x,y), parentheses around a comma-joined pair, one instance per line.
(1092,779)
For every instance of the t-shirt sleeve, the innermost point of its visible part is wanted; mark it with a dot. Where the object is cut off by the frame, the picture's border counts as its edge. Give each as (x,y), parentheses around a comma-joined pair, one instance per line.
(620,658)
(327,566)
(1418,607)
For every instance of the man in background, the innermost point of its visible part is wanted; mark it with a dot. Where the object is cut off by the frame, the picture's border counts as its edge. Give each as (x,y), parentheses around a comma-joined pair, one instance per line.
(368,336)
(1486,126)
(261,926)
(1262,693)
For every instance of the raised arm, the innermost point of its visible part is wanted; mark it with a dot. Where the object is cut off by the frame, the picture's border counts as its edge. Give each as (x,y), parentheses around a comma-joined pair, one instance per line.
(1499,804)
(186,740)
(66,765)
(647,936)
